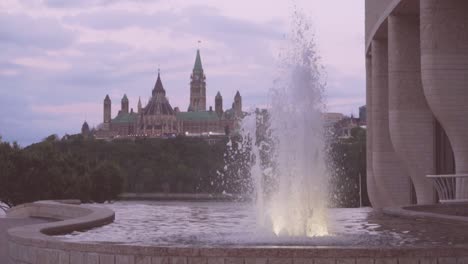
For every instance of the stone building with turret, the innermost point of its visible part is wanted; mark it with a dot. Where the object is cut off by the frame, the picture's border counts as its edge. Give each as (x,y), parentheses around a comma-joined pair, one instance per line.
(159,119)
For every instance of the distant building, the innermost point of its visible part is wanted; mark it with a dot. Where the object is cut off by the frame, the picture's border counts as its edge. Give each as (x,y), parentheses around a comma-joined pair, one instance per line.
(85,131)
(343,127)
(159,119)
(329,119)
(362,115)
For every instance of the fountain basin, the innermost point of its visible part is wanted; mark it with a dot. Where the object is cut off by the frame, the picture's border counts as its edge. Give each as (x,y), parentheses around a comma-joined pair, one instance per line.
(30,245)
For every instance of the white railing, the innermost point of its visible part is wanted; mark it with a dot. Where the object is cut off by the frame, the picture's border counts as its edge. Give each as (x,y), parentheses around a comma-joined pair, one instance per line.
(451,188)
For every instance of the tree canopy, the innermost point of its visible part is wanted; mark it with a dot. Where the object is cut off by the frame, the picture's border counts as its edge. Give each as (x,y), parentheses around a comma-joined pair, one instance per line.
(98,171)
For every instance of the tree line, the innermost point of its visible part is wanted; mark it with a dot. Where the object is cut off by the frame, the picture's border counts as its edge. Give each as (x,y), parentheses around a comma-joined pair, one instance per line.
(97,170)
(348,187)
(74,167)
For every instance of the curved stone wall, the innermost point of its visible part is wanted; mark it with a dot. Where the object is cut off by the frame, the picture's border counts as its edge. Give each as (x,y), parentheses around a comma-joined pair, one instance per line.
(428,65)
(31,245)
(444,65)
(377,12)
(456,213)
(391,179)
(410,119)
(370,181)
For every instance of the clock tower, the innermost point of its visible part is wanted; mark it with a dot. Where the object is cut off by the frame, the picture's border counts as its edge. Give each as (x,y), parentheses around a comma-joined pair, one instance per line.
(197,87)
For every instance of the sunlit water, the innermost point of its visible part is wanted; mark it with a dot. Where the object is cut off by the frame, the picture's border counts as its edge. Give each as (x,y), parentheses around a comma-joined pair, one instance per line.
(227,223)
(289,171)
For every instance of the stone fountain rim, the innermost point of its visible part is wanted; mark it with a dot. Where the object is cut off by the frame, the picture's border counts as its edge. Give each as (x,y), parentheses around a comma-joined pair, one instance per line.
(38,236)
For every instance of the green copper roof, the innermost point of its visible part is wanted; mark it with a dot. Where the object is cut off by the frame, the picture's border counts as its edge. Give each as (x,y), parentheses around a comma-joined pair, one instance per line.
(198,65)
(198,116)
(125,118)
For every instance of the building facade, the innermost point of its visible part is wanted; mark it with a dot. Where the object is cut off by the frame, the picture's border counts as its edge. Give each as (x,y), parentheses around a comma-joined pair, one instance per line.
(417,89)
(159,119)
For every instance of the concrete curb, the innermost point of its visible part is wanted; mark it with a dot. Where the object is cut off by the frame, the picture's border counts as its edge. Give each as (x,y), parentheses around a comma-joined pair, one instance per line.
(34,245)
(413,212)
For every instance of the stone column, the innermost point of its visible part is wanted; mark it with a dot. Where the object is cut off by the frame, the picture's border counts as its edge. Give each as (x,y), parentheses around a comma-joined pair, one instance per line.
(370,181)
(410,119)
(444,67)
(392,181)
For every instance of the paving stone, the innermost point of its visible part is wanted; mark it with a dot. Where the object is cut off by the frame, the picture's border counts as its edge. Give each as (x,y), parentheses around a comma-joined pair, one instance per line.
(13,251)
(365,261)
(428,261)
(195,260)
(159,260)
(124,259)
(408,261)
(215,260)
(280,261)
(386,261)
(64,257)
(447,261)
(303,261)
(92,258)
(346,261)
(234,260)
(106,259)
(76,257)
(256,261)
(17,252)
(324,261)
(178,260)
(142,260)
(29,254)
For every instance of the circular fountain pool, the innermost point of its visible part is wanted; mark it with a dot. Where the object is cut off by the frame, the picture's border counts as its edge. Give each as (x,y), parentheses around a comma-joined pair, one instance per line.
(227,223)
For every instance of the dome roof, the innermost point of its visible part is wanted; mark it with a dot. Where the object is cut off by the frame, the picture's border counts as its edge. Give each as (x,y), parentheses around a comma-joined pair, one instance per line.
(158,87)
(85,126)
(158,105)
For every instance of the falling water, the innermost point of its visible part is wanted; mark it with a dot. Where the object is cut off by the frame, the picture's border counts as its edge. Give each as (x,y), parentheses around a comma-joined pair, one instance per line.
(289,169)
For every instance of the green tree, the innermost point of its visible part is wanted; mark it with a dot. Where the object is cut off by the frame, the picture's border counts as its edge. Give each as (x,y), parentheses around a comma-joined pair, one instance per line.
(106,182)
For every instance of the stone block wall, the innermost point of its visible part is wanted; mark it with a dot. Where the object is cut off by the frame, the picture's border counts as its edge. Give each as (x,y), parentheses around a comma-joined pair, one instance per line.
(30,245)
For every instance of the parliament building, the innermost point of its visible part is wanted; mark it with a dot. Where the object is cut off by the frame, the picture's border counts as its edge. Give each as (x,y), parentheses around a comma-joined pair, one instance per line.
(159,119)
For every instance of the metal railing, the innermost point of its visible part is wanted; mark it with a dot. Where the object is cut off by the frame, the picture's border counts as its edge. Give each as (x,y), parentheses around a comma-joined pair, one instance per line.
(451,188)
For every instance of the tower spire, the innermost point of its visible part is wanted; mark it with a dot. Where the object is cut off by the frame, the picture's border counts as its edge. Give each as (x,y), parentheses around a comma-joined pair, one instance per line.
(139,105)
(198,64)
(158,87)
(107,112)
(198,86)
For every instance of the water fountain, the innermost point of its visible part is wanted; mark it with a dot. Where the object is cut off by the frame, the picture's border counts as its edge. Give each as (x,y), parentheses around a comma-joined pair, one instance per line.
(283,149)
(291,188)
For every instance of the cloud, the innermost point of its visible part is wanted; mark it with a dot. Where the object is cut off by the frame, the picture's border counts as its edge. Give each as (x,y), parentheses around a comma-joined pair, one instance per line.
(83,3)
(67,109)
(60,58)
(119,19)
(25,31)
(8,72)
(42,63)
(199,20)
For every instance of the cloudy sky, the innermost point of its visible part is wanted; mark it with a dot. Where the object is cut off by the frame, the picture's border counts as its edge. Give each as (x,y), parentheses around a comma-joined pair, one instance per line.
(59,58)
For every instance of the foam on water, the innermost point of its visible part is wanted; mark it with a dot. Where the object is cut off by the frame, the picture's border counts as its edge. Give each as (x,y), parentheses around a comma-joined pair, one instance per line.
(291,188)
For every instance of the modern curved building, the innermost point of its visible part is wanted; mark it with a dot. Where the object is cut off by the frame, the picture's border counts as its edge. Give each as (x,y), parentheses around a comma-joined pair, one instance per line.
(417,98)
